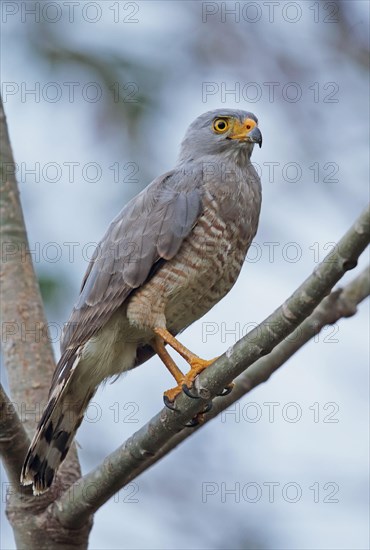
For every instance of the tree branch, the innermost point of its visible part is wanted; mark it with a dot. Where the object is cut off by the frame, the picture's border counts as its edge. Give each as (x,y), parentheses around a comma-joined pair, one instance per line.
(339,304)
(14,441)
(29,361)
(27,352)
(144,447)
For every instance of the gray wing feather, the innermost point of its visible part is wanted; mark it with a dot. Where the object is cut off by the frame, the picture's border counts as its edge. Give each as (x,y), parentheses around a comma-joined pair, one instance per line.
(151,227)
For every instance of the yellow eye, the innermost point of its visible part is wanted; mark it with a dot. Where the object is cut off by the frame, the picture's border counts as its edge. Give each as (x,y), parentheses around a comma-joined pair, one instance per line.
(221,125)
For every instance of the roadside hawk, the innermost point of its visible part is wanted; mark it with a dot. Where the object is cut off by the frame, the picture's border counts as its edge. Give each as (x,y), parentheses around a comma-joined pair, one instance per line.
(168,257)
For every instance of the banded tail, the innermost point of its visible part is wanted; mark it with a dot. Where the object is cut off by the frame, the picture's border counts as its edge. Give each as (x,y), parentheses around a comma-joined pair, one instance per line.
(59,422)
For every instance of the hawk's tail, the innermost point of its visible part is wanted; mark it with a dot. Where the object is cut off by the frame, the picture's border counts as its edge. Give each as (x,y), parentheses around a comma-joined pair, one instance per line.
(60,420)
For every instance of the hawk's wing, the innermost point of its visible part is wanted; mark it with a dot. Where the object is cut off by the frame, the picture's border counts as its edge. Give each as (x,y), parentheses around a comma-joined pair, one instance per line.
(150,228)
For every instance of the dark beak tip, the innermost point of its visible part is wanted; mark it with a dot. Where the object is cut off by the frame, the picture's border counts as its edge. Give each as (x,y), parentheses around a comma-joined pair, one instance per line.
(256,136)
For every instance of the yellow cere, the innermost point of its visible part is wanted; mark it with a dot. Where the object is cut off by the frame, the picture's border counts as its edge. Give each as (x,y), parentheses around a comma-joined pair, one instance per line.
(241,129)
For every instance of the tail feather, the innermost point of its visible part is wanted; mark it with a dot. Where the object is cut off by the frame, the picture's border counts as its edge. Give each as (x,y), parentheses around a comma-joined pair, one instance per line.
(50,446)
(60,420)
(79,372)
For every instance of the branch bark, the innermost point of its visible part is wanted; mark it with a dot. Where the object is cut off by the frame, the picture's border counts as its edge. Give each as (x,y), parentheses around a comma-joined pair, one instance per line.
(14,441)
(26,348)
(29,361)
(340,304)
(144,447)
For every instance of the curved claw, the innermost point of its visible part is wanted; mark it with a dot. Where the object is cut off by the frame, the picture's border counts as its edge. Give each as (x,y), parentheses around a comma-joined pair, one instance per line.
(207,408)
(187,392)
(193,422)
(169,404)
(199,418)
(228,389)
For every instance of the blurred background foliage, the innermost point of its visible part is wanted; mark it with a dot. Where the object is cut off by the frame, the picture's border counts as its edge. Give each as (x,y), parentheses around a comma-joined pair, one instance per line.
(163,63)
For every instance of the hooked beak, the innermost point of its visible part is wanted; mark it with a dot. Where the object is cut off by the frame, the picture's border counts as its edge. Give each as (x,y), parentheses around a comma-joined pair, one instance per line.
(246,131)
(255,136)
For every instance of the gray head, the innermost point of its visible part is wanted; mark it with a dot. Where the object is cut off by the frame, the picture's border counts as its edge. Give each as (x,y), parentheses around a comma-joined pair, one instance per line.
(227,132)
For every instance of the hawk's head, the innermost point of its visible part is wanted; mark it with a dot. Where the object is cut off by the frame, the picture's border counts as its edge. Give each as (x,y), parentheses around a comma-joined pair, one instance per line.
(222,132)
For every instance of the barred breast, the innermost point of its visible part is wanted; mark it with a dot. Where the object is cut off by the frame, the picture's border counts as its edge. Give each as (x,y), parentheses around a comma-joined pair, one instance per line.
(207,264)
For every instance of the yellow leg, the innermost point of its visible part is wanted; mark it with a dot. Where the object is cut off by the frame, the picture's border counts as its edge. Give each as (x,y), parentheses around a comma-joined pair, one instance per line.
(197,365)
(166,358)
